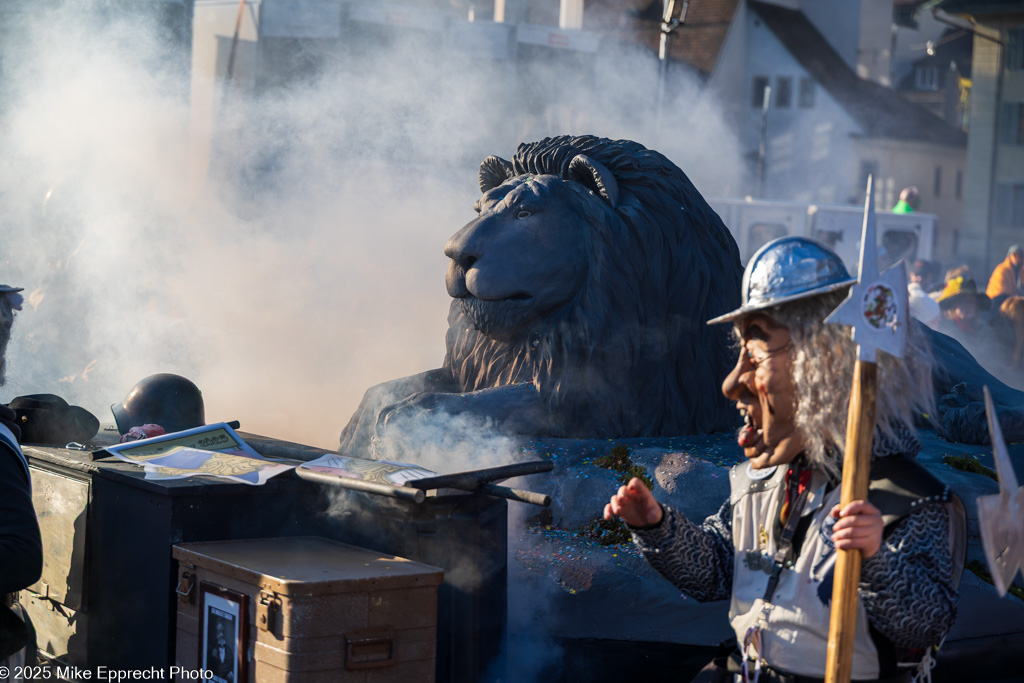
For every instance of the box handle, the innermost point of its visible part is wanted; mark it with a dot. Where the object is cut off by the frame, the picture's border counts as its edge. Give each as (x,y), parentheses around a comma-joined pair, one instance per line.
(369,648)
(185,585)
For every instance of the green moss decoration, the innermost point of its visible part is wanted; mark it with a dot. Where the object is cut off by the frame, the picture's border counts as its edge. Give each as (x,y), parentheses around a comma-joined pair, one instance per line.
(969,464)
(618,460)
(981,570)
(606,531)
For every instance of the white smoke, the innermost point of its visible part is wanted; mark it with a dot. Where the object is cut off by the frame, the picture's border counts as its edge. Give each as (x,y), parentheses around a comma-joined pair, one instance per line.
(304,262)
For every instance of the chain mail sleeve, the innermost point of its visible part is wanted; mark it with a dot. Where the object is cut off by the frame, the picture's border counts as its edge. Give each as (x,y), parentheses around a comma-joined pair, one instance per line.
(907,587)
(697,559)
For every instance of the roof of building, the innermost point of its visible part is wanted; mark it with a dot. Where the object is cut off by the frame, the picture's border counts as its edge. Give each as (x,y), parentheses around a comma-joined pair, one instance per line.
(987,8)
(697,43)
(880,111)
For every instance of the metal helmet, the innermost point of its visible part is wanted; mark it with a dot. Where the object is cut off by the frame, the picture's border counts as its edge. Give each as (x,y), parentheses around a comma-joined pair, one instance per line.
(171,401)
(787,269)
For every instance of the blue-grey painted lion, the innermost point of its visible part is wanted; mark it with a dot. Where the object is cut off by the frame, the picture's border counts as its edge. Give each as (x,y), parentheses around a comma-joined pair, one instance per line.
(580,293)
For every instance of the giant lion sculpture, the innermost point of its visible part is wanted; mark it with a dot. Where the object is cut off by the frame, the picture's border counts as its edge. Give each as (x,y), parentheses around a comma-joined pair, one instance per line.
(580,293)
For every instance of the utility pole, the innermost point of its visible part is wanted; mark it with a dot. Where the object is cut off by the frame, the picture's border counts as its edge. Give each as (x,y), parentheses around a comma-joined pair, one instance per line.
(669,23)
(759,182)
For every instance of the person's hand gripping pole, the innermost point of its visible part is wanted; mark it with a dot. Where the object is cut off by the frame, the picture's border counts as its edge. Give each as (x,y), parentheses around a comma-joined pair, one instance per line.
(877,310)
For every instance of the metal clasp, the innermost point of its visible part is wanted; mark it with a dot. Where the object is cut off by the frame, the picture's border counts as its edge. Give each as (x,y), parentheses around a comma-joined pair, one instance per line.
(186,582)
(266,611)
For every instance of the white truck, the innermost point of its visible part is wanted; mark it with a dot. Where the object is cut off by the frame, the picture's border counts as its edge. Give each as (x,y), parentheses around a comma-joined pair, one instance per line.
(753,222)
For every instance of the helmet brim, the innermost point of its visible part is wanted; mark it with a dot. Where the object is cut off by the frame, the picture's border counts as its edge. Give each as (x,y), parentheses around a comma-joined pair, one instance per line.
(764,304)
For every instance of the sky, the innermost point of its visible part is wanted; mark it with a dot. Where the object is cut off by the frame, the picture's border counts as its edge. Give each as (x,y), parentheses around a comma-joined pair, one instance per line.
(279,240)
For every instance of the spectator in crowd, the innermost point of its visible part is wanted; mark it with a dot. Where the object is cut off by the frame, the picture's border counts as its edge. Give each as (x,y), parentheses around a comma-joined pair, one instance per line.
(962,271)
(1006,277)
(930,273)
(922,306)
(910,199)
(961,303)
(1012,312)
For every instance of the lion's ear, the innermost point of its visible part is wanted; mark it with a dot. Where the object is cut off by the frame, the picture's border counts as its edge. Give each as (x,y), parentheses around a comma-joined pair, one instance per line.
(594,175)
(494,171)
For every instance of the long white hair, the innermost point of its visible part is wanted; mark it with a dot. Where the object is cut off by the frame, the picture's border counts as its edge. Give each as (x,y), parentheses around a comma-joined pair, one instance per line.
(822,362)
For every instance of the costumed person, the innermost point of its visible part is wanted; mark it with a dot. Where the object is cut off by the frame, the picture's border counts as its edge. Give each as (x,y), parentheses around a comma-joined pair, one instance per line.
(910,199)
(771,547)
(961,305)
(922,306)
(1011,313)
(1006,277)
(21,548)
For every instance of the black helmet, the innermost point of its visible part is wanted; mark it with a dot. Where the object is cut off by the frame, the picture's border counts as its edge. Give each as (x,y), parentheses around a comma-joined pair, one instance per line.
(171,401)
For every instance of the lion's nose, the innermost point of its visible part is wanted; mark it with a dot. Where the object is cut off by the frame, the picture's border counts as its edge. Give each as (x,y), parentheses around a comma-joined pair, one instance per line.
(463,247)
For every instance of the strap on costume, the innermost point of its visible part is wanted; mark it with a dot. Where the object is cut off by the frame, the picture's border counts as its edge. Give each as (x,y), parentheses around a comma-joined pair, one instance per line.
(783,553)
(785,544)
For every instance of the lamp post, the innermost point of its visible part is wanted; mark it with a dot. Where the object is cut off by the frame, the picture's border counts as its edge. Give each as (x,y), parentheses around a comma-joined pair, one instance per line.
(761,150)
(669,23)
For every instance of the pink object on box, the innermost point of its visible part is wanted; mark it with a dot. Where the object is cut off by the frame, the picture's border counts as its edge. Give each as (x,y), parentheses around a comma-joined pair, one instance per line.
(143,432)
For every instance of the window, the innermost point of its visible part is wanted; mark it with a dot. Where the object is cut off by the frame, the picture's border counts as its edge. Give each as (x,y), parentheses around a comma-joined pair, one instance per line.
(926,77)
(1008,211)
(1011,124)
(1017,211)
(807,92)
(784,94)
(757,93)
(900,244)
(937,185)
(867,168)
(1015,49)
(959,184)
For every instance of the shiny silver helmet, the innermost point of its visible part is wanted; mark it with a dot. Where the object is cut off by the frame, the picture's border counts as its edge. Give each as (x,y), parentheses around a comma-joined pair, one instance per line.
(787,269)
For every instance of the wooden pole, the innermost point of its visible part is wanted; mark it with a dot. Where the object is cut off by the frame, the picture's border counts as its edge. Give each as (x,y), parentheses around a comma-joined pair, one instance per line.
(860,427)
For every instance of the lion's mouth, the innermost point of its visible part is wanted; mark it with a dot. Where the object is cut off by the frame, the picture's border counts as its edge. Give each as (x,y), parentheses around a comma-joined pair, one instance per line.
(499,317)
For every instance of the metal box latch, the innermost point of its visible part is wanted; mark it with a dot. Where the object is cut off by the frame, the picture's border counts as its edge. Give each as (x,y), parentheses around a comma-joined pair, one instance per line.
(186,582)
(266,611)
(369,648)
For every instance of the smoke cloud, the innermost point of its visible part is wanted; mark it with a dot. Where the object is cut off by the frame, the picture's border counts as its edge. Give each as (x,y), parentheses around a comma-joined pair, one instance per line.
(284,249)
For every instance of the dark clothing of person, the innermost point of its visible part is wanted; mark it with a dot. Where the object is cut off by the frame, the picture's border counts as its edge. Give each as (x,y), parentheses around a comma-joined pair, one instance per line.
(221,662)
(21,547)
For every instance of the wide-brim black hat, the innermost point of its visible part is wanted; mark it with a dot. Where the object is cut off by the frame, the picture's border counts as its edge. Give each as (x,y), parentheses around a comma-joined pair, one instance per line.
(957,290)
(48,419)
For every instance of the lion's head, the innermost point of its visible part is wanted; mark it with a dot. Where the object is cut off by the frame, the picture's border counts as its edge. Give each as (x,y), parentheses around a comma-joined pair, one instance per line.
(590,272)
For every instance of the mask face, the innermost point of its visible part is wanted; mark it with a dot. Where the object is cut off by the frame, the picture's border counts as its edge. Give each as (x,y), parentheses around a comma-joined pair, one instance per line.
(761,384)
(965,310)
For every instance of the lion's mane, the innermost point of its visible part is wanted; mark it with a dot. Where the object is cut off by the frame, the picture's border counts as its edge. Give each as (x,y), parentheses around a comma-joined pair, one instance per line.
(631,355)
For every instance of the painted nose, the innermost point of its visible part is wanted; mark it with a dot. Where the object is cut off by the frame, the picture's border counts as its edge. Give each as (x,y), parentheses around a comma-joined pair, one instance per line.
(735,383)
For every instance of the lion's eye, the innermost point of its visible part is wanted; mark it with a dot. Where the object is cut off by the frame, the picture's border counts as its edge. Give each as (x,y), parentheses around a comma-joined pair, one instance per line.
(523,213)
